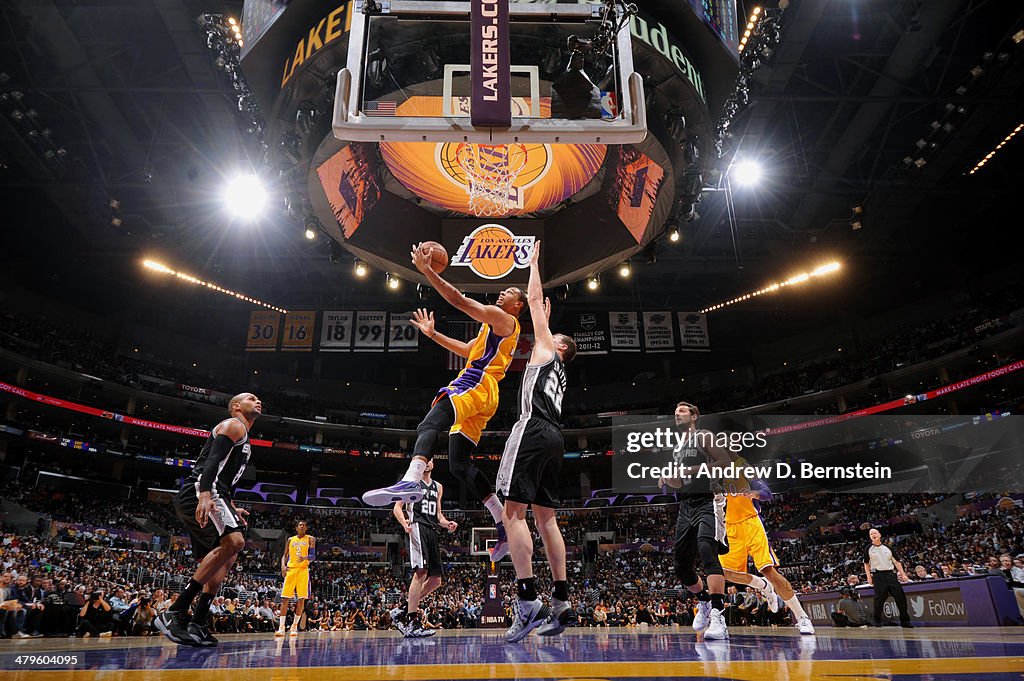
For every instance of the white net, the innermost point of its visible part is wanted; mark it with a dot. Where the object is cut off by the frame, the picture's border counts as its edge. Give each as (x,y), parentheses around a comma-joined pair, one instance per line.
(491,172)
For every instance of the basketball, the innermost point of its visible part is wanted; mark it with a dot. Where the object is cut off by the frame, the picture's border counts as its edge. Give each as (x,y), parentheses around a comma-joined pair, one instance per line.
(438,255)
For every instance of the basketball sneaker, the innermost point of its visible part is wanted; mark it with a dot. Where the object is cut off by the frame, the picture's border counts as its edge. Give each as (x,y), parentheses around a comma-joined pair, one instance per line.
(700,620)
(279,633)
(408,492)
(805,626)
(398,616)
(716,626)
(528,616)
(500,549)
(201,636)
(419,632)
(770,596)
(557,620)
(174,625)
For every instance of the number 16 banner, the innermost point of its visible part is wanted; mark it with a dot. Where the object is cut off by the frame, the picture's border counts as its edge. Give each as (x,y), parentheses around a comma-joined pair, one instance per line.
(370,331)
(403,336)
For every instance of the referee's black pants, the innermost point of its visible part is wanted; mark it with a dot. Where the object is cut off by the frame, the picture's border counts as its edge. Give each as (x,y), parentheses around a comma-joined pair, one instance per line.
(886,584)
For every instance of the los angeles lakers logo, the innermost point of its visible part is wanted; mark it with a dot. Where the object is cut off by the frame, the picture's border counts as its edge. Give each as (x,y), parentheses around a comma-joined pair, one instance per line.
(491,251)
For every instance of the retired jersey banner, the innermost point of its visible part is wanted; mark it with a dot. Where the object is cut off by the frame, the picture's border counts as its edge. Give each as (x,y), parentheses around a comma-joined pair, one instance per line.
(264,327)
(590,331)
(403,336)
(693,331)
(658,332)
(370,331)
(336,332)
(625,331)
(298,331)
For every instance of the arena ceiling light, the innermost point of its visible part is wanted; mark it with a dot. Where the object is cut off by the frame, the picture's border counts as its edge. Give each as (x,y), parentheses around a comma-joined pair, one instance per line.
(795,280)
(594,282)
(625,269)
(360,268)
(245,196)
(392,280)
(747,172)
(1002,143)
(188,278)
(673,234)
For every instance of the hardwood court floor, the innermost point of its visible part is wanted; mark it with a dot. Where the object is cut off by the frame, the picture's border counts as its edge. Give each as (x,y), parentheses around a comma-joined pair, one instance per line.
(751,654)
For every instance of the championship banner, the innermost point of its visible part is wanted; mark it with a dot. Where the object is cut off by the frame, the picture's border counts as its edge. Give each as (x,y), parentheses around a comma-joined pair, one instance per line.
(336,332)
(658,332)
(298,331)
(264,326)
(403,336)
(370,331)
(693,331)
(591,334)
(625,331)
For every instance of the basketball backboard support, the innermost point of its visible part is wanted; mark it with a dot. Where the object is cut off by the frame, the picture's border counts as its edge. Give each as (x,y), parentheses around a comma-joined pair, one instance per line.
(482,540)
(410,74)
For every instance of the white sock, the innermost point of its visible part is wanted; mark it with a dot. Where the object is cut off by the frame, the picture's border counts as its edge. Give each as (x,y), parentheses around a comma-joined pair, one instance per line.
(494,506)
(795,607)
(758,582)
(415,472)
(283,618)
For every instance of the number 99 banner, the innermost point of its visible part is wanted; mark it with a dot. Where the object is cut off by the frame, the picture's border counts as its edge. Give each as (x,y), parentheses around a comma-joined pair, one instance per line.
(370,331)
(402,335)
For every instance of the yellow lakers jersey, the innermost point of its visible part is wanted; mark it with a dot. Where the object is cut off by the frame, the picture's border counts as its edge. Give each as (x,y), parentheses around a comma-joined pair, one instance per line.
(490,354)
(298,549)
(737,506)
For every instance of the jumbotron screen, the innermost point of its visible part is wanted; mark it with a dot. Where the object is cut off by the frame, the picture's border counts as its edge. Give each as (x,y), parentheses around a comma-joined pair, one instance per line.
(720,17)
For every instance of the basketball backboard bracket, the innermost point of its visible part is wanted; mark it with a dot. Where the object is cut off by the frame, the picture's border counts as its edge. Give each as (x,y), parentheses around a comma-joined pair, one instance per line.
(365,111)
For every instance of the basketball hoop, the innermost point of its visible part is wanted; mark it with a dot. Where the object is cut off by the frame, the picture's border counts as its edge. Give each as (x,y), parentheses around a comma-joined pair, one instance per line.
(491,172)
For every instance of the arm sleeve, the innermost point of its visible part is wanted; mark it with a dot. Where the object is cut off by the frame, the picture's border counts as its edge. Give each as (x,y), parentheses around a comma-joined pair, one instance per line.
(312,550)
(221,446)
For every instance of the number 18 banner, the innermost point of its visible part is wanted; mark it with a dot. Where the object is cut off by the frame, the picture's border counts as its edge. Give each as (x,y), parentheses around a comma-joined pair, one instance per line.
(336,332)
(403,336)
(370,331)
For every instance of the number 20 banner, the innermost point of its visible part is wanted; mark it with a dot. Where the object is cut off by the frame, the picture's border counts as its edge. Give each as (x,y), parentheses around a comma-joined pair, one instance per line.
(370,331)
(403,336)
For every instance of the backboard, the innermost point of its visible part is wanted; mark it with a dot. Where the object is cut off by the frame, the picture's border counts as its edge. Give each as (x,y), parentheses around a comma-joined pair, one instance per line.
(489,72)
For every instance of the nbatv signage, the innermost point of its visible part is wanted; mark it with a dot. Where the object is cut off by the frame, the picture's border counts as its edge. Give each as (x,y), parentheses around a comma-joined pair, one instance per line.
(492,251)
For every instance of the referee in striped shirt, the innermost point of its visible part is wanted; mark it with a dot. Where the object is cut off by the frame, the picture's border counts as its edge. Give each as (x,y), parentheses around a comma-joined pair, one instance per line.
(882,569)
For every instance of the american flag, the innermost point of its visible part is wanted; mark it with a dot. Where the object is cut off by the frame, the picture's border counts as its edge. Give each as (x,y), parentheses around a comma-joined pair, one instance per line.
(380,108)
(460,330)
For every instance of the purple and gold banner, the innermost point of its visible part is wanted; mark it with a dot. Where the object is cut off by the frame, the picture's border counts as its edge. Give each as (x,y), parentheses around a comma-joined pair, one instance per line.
(490,65)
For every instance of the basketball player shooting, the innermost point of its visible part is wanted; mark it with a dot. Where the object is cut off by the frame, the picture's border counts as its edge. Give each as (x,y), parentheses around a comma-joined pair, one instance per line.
(464,406)
(528,474)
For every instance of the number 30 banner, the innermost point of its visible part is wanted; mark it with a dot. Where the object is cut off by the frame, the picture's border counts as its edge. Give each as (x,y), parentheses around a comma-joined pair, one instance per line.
(336,332)
(262,332)
(370,331)
(402,335)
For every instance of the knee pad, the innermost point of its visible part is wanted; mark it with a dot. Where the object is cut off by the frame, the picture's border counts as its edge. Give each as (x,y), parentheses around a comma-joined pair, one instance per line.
(708,551)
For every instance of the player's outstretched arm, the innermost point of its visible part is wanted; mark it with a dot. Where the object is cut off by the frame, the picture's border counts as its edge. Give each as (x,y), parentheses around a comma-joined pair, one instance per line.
(540,311)
(424,321)
(502,322)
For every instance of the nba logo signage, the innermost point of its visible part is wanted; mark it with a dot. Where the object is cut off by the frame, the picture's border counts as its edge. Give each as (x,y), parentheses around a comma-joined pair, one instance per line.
(492,591)
(491,251)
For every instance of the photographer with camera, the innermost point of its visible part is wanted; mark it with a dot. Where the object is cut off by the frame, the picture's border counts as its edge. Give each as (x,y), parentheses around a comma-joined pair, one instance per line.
(850,612)
(142,623)
(94,617)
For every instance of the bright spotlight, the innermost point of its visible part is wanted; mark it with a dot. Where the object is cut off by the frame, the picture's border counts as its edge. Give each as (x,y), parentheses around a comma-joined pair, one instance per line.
(361,268)
(310,234)
(593,282)
(245,196)
(747,173)
(392,281)
(673,235)
(625,269)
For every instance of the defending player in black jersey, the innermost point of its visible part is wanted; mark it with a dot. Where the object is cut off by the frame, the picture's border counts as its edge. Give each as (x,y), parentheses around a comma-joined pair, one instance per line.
(528,475)
(700,527)
(214,524)
(423,524)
